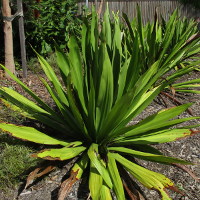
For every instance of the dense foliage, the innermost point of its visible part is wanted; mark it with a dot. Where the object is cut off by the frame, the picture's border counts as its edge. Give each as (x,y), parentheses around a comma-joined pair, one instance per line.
(48,20)
(195,3)
(41,25)
(106,82)
(159,41)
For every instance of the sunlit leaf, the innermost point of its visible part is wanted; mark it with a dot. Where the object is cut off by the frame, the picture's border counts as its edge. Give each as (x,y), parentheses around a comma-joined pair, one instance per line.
(30,134)
(97,163)
(64,153)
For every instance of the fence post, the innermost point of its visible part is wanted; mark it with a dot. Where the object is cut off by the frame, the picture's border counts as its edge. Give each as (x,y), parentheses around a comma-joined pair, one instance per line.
(22,38)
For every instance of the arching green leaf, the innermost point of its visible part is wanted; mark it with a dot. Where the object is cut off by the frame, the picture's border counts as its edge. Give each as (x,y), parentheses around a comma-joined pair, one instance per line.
(64,153)
(30,134)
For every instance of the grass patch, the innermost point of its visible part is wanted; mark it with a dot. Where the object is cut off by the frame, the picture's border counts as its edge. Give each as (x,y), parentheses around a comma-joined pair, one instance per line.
(15,159)
(14,154)
(8,115)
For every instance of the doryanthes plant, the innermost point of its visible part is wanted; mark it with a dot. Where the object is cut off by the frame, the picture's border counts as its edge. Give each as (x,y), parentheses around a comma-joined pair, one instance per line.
(174,41)
(103,90)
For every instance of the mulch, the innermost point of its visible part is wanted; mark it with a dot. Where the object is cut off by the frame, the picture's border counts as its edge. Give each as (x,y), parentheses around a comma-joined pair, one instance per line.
(188,149)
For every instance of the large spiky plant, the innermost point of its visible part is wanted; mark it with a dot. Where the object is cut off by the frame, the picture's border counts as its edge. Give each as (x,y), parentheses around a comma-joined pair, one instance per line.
(104,89)
(161,41)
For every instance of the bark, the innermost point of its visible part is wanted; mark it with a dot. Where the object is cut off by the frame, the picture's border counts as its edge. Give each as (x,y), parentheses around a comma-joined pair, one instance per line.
(8,38)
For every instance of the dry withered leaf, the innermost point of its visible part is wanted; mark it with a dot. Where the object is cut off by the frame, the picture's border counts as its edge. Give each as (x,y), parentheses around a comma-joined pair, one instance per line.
(186,169)
(173,91)
(34,174)
(131,194)
(175,189)
(176,101)
(66,186)
(31,177)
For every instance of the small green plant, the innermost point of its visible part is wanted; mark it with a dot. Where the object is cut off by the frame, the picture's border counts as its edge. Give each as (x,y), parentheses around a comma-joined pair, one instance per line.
(105,87)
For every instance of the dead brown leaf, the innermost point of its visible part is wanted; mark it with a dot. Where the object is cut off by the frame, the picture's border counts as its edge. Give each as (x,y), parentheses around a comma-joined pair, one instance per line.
(34,174)
(186,169)
(66,186)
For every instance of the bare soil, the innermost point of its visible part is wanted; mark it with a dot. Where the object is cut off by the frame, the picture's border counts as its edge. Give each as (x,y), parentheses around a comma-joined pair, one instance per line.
(188,149)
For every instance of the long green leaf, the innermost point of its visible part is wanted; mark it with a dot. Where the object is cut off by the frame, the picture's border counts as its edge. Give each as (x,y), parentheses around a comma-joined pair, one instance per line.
(105,97)
(16,108)
(30,134)
(44,105)
(64,153)
(139,131)
(158,137)
(63,63)
(149,179)
(95,182)
(68,118)
(141,36)
(189,91)
(97,163)
(50,119)
(28,104)
(116,179)
(107,28)
(123,111)
(105,193)
(76,70)
(77,115)
(53,78)
(149,156)
(156,121)
(80,166)
(187,86)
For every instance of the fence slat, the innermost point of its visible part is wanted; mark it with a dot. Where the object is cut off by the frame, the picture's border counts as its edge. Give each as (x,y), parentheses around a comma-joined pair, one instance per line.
(164,7)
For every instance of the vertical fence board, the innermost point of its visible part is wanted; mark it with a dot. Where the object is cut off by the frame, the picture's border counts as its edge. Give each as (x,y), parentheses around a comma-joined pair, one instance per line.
(164,7)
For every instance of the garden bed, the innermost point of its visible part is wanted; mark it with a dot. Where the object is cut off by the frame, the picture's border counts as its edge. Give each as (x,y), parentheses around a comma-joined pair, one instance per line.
(188,149)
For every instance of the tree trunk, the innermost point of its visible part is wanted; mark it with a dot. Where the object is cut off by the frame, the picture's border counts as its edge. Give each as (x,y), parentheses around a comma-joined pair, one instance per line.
(8,38)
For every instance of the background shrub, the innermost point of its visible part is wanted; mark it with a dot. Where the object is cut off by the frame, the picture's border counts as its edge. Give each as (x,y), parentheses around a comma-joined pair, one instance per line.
(195,3)
(48,20)
(44,21)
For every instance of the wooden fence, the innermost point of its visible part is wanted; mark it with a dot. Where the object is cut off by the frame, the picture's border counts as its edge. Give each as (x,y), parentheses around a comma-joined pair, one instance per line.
(164,7)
